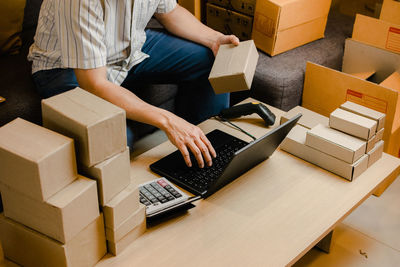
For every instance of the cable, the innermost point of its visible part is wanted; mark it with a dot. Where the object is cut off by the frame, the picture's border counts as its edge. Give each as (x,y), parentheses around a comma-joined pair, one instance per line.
(234,125)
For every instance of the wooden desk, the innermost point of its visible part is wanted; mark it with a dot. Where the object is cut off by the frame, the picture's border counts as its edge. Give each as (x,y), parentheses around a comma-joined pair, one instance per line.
(271,216)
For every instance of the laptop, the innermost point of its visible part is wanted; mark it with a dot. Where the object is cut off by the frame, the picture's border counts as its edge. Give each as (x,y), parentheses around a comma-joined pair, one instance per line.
(234,157)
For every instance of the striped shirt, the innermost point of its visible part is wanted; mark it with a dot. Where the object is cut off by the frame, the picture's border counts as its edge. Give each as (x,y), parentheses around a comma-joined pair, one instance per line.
(87,34)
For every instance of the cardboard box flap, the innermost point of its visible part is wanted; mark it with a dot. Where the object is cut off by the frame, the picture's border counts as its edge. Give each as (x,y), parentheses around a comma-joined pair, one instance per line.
(390,11)
(393,82)
(294,13)
(364,74)
(377,33)
(359,57)
(326,89)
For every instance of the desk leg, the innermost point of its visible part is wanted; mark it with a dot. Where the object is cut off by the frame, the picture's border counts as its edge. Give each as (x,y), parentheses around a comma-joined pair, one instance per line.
(325,243)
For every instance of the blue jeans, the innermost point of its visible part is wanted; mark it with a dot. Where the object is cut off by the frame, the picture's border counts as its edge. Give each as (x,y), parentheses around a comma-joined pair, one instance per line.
(172,60)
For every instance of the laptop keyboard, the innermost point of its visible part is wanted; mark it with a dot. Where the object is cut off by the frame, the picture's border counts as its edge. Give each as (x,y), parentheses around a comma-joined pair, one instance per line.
(200,178)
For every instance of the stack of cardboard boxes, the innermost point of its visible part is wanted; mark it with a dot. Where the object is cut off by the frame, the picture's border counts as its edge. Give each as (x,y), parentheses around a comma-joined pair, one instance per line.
(275,26)
(99,129)
(370,76)
(51,214)
(346,144)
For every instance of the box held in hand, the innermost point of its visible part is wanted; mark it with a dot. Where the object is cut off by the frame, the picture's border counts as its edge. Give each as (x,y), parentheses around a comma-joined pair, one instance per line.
(309,119)
(30,248)
(62,216)
(234,67)
(97,126)
(112,175)
(35,161)
(336,143)
(294,143)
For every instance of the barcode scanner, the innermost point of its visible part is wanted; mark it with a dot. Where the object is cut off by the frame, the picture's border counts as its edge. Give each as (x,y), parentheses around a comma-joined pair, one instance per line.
(247,109)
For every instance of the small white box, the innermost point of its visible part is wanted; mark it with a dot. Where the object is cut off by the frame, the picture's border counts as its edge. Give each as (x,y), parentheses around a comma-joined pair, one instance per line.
(137,217)
(121,206)
(35,161)
(376,153)
(122,244)
(351,123)
(234,67)
(97,126)
(112,175)
(294,143)
(31,248)
(62,216)
(377,116)
(335,143)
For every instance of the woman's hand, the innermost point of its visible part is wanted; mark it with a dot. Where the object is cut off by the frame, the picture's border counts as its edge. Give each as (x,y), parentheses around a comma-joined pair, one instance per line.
(224,39)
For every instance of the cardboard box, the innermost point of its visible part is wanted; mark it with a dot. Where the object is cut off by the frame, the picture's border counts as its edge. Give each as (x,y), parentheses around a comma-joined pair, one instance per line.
(193,6)
(121,206)
(377,33)
(229,22)
(353,124)
(326,89)
(283,25)
(62,217)
(112,175)
(379,135)
(1,253)
(336,143)
(294,143)
(371,143)
(35,161)
(242,6)
(365,7)
(379,117)
(375,154)
(359,57)
(121,245)
(309,119)
(390,11)
(234,67)
(30,248)
(98,127)
(115,235)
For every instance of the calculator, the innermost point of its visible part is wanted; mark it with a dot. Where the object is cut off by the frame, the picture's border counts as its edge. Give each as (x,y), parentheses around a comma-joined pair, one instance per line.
(160,195)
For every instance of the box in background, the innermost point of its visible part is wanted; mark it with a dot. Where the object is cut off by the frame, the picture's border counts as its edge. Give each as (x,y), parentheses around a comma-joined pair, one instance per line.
(366,7)
(377,33)
(309,119)
(390,11)
(336,143)
(229,22)
(97,126)
(326,89)
(121,206)
(115,235)
(234,67)
(294,143)
(63,215)
(35,161)
(375,154)
(283,25)
(30,248)
(353,124)
(242,6)
(112,175)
